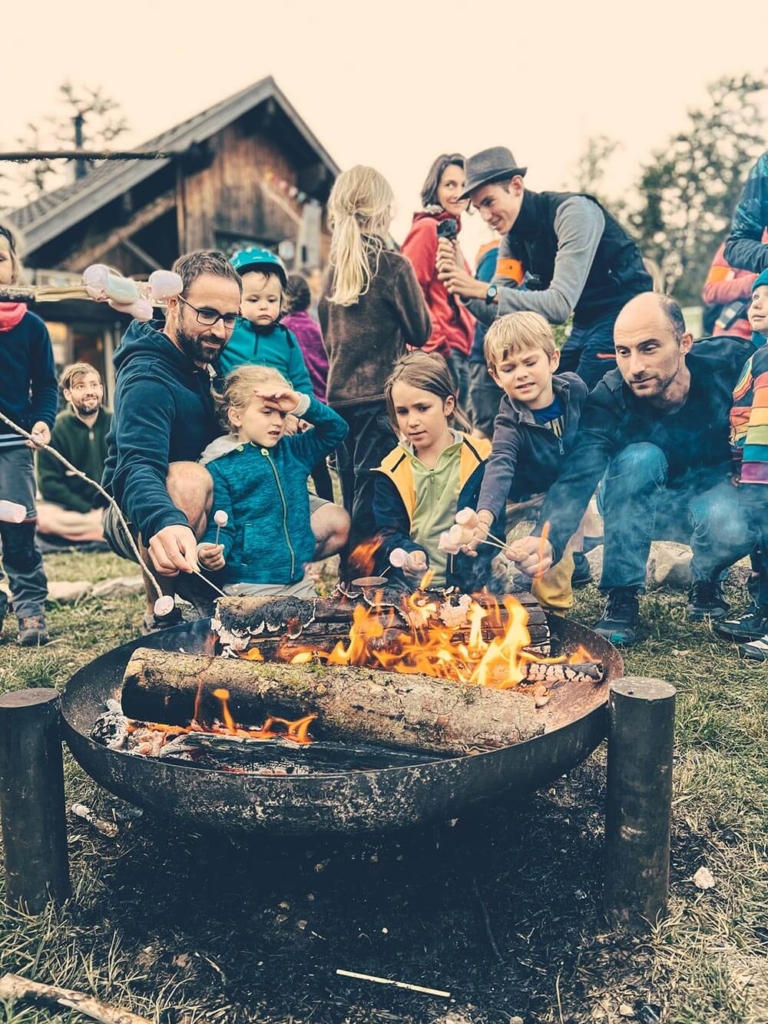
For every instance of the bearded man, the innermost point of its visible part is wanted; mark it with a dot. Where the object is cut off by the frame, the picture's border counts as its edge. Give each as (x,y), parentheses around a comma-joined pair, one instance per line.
(71,508)
(656,431)
(164,418)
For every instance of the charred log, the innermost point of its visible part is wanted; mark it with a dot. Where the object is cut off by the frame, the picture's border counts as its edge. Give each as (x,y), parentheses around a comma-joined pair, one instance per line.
(401,711)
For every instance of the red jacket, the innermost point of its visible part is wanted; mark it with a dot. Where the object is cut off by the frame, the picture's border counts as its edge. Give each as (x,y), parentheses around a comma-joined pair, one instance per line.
(453,326)
(725,285)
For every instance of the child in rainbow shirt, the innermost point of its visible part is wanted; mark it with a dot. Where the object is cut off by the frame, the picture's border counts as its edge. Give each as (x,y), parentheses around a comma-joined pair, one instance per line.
(749,445)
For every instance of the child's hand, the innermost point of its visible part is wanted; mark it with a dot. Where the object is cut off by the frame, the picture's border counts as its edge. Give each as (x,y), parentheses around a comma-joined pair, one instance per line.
(291,426)
(211,556)
(479,534)
(282,399)
(411,563)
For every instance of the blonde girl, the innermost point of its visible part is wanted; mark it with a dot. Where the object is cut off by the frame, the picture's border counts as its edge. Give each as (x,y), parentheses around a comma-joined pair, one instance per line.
(371,309)
(434,471)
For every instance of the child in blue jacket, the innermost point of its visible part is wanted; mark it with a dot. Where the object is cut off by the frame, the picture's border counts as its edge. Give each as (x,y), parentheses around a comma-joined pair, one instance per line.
(259,337)
(260,481)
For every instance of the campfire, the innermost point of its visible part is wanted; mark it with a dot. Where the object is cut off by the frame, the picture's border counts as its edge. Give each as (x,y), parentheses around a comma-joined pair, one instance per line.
(372,670)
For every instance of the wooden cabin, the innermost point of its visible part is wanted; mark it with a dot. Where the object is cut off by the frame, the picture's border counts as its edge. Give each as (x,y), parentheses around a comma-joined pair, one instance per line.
(247,171)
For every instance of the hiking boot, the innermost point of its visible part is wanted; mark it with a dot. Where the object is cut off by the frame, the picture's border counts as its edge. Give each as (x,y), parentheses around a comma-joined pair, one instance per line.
(621,616)
(757,650)
(706,600)
(752,625)
(32,631)
(582,574)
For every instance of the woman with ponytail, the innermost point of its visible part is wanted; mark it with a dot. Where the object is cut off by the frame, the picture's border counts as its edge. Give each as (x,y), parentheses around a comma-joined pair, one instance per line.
(370,311)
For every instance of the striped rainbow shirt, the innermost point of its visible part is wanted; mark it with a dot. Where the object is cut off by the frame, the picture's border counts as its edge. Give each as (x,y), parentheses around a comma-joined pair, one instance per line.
(749,418)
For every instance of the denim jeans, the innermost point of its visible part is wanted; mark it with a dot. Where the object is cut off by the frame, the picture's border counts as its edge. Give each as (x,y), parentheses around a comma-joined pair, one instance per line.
(484,398)
(589,350)
(638,507)
(370,438)
(458,364)
(21,555)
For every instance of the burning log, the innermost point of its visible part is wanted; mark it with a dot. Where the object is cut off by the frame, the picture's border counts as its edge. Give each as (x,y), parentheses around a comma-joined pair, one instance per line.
(411,712)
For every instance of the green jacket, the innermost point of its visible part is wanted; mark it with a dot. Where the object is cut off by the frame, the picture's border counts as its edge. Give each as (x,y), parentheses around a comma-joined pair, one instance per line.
(86,448)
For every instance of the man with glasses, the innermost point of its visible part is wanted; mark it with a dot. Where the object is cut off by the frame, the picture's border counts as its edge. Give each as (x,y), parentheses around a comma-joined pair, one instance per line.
(164,417)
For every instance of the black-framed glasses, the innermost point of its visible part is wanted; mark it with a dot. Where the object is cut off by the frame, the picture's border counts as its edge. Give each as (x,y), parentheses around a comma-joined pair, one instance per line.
(209,317)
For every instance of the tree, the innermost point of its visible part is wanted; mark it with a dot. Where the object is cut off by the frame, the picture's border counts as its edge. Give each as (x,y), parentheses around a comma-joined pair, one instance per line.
(590,169)
(100,123)
(688,192)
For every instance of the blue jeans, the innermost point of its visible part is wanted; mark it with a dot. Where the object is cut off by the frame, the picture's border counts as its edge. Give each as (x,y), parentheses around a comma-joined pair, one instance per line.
(638,507)
(458,364)
(21,555)
(589,350)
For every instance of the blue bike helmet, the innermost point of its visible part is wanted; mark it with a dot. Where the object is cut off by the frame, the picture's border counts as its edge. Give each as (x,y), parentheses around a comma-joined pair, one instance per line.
(259,259)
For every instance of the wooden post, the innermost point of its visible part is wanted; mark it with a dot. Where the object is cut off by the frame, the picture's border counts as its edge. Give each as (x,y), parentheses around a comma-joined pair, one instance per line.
(638,802)
(32,799)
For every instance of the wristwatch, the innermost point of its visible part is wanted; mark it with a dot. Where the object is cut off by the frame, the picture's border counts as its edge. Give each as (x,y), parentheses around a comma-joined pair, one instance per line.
(491,294)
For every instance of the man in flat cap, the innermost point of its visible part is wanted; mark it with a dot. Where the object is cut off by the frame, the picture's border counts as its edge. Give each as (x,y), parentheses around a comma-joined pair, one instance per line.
(576,257)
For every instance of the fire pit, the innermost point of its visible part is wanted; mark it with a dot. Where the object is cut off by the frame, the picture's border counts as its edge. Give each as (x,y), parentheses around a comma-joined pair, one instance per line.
(375,799)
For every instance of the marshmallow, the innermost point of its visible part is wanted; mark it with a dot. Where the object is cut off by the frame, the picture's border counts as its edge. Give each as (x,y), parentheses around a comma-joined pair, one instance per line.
(467,517)
(164,284)
(164,606)
(221,519)
(398,558)
(446,544)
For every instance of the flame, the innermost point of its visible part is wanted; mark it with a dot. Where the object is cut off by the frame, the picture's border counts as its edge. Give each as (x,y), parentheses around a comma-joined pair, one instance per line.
(253,655)
(363,558)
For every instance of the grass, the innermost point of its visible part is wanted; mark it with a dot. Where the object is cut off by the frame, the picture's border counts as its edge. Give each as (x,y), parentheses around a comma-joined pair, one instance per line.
(502,908)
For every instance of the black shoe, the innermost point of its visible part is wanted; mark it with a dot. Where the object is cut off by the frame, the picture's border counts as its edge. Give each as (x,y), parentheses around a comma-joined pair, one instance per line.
(757,650)
(752,625)
(582,574)
(705,600)
(32,631)
(621,616)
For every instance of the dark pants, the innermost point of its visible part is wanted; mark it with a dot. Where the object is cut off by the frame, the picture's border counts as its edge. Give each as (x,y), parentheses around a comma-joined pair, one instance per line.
(458,364)
(370,438)
(484,397)
(753,500)
(589,350)
(638,507)
(321,478)
(21,556)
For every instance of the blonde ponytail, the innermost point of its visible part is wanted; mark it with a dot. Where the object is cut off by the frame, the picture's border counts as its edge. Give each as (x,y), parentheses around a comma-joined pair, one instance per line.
(360,213)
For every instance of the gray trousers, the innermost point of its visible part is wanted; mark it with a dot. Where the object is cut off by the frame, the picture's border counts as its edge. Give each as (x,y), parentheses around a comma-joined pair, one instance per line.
(22,559)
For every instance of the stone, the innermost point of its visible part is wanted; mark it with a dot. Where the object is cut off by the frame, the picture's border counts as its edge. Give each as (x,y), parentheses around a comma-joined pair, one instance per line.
(68,592)
(704,879)
(120,586)
(669,565)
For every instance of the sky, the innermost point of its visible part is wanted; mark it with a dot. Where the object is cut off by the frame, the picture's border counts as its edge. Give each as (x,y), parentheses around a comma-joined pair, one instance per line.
(394,84)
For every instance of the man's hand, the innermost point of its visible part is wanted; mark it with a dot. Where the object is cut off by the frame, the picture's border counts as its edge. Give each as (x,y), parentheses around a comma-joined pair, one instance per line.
(533,555)
(41,434)
(282,399)
(174,549)
(211,556)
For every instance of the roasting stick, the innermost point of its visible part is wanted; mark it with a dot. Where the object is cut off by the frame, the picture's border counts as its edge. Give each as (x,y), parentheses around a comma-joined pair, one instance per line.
(397,984)
(113,504)
(15,987)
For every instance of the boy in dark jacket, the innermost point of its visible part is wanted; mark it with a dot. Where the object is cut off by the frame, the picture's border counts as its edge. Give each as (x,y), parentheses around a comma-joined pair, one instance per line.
(536,426)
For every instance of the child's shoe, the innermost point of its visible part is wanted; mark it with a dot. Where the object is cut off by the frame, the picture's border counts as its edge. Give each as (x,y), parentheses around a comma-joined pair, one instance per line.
(757,650)
(32,631)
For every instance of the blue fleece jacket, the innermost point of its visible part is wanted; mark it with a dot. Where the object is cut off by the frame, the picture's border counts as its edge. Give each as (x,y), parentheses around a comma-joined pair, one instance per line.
(277,348)
(163,413)
(28,389)
(268,537)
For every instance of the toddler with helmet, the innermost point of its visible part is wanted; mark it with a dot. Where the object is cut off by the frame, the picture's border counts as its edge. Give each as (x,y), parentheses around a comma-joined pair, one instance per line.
(259,337)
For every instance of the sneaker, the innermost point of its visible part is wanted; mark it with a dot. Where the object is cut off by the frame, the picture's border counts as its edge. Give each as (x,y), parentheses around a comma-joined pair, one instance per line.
(705,600)
(32,631)
(582,574)
(621,616)
(752,625)
(150,624)
(757,650)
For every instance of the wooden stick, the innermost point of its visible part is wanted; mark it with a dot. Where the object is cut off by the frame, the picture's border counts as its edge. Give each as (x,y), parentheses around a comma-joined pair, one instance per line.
(13,987)
(397,984)
(210,584)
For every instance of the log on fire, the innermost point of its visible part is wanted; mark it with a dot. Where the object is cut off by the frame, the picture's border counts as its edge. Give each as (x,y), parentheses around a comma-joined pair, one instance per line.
(401,711)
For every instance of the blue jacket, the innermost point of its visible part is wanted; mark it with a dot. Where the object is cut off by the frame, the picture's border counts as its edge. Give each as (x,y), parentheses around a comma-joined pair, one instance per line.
(394,501)
(268,537)
(277,348)
(163,413)
(744,249)
(28,389)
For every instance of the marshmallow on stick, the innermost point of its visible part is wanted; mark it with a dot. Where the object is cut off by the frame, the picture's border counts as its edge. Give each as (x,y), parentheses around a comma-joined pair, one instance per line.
(221,518)
(402,559)
(12,512)
(467,517)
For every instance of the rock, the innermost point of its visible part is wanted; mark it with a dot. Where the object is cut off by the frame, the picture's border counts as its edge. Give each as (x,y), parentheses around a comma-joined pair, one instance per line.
(704,879)
(625,1010)
(669,565)
(119,586)
(68,592)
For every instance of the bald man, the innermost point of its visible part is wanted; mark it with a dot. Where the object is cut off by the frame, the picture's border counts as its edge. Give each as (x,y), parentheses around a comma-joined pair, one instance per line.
(655,430)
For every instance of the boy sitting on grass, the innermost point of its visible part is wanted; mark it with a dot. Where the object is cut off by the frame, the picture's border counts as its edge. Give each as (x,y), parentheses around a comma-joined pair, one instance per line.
(534,431)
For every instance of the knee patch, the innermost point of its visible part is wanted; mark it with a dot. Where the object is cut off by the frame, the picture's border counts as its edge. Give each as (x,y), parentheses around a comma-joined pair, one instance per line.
(19,551)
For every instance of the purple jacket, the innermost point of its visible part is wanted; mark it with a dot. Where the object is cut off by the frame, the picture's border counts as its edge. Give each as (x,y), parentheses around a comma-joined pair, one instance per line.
(310,338)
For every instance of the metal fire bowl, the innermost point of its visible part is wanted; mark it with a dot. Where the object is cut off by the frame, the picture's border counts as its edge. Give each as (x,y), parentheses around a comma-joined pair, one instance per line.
(369,801)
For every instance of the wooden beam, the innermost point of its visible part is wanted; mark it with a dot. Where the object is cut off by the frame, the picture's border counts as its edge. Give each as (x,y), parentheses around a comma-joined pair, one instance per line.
(140,253)
(147,215)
